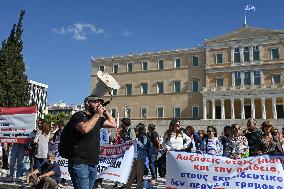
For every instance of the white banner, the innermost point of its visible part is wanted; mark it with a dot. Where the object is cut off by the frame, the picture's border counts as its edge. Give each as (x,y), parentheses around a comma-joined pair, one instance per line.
(17,124)
(115,162)
(191,170)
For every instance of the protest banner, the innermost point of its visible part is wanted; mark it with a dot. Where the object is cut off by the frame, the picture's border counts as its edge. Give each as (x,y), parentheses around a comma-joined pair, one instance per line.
(17,124)
(191,170)
(115,162)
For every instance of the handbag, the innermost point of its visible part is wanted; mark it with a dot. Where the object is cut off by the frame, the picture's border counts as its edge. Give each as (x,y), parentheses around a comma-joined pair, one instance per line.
(32,147)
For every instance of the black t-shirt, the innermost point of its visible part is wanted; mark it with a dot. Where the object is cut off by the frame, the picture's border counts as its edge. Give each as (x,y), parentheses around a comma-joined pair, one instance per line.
(86,146)
(46,167)
(254,141)
(153,137)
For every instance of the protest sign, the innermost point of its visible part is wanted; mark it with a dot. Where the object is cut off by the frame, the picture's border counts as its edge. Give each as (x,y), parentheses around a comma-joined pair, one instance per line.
(191,170)
(115,162)
(17,124)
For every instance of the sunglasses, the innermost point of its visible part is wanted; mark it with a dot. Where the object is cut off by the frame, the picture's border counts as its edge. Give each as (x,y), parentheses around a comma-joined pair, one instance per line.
(210,131)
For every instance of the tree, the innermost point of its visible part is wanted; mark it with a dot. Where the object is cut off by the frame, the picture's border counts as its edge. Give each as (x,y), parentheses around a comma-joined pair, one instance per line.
(14,86)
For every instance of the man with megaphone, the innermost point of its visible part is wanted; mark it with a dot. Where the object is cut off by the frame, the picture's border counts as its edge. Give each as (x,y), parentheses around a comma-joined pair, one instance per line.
(84,156)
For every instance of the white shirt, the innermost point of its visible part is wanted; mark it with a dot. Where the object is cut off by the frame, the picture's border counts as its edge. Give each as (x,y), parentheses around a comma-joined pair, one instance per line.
(176,143)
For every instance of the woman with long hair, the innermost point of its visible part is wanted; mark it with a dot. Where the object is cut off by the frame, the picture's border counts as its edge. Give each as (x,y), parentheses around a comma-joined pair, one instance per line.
(211,144)
(237,146)
(270,144)
(139,162)
(200,136)
(174,138)
(42,138)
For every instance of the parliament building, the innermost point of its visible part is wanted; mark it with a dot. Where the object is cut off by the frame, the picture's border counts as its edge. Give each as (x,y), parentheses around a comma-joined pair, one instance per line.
(233,77)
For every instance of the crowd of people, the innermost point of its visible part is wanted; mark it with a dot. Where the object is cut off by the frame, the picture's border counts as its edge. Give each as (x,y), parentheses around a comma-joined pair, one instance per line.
(234,142)
(42,171)
(89,126)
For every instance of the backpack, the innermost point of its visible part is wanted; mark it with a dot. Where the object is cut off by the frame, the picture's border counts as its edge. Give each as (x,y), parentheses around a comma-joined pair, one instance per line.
(64,145)
(68,137)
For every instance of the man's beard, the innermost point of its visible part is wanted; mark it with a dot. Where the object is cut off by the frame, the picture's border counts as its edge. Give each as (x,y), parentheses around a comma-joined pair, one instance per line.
(93,110)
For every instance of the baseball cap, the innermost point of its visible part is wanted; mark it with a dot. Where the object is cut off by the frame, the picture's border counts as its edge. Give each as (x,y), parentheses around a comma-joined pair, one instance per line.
(93,97)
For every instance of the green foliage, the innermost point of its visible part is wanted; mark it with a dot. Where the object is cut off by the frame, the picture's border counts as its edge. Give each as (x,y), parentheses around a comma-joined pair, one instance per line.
(55,118)
(14,86)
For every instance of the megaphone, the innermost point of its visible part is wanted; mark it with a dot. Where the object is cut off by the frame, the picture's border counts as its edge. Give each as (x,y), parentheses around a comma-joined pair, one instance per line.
(105,84)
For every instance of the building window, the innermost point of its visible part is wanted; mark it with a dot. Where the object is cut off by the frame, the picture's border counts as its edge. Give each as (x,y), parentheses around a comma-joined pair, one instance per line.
(195,60)
(177,63)
(219,58)
(144,88)
(177,86)
(114,92)
(130,67)
(144,65)
(255,53)
(195,111)
(238,78)
(247,80)
(274,53)
(160,87)
(160,64)
(102,68)
(256,78)
(246,54)
(115,68)
(219,82)
(237,55)
(177,112)
(160,112)
(143,113)
(276,79)
(128,89)
(113,112)
(195,85)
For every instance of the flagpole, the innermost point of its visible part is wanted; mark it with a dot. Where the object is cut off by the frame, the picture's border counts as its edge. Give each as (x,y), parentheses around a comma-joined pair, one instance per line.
(245,19)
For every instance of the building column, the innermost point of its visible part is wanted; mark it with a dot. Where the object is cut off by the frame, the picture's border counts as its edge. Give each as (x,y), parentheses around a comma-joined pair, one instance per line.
(232,55)
(260,53)
(213,108)
(232,108)
(206,81)
(243,108)
(261,78)
(242,78)
(274,111)
(242,54)
(222,109)
(252,108)
(251,53)
(233,79)
(252,78)
(204,109)
(263,110)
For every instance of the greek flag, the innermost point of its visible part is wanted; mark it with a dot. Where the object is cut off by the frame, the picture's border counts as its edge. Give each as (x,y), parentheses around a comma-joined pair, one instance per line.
(250,8)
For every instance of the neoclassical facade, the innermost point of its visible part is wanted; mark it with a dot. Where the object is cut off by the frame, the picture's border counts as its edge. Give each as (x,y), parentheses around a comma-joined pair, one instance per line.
(233,76)
(244,75)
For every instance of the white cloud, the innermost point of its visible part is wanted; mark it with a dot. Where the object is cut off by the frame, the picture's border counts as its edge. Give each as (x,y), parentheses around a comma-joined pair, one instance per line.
(127,33)
(79,31)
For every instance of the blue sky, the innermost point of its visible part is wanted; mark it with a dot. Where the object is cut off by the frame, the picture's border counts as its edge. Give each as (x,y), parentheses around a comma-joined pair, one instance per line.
(61,36)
